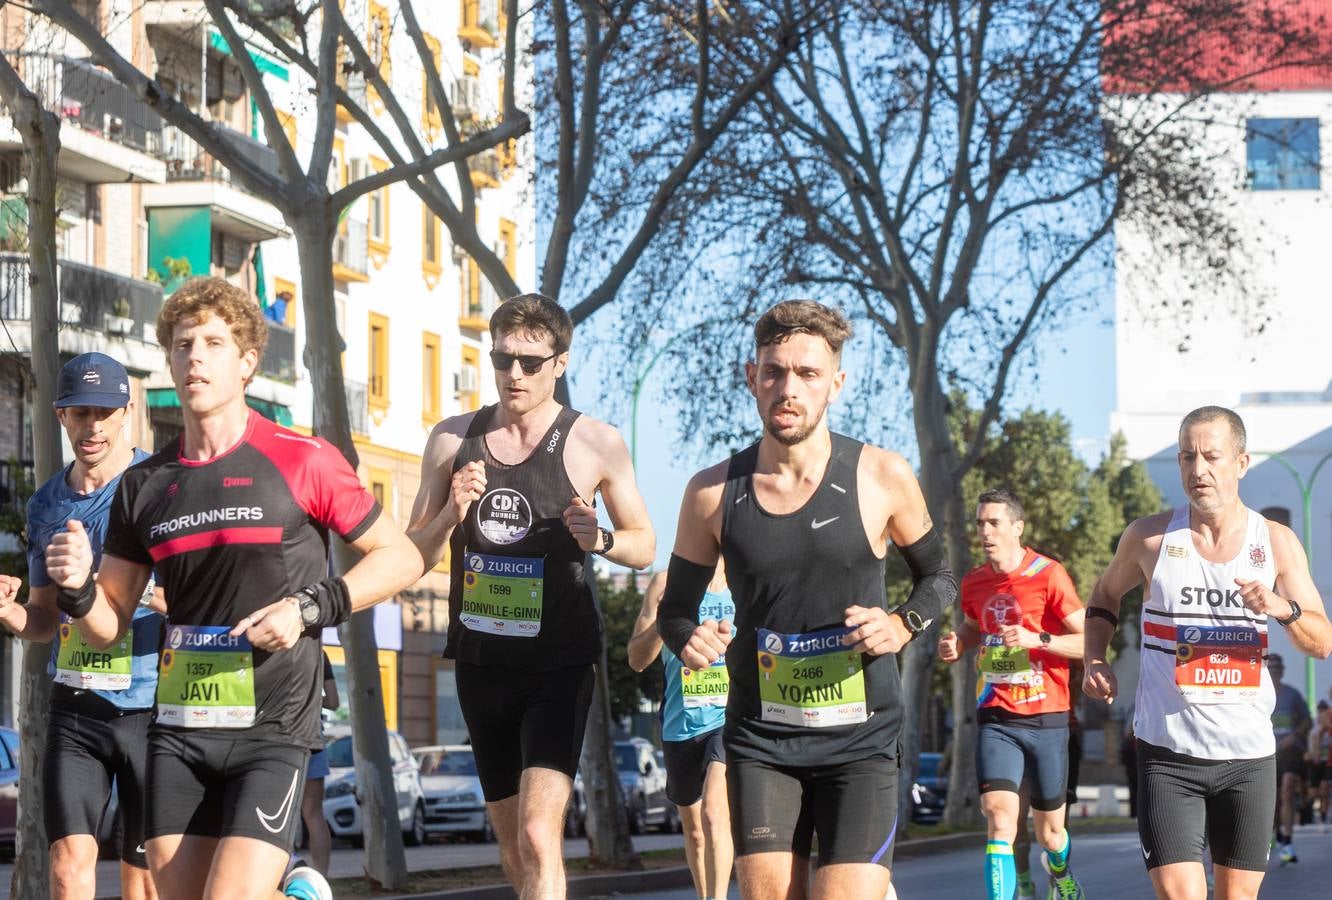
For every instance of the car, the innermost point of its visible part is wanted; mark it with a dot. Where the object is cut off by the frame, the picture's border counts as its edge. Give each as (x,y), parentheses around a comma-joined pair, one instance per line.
(342,805)
(929,792)
(643,784)
(9,786)
(454,803)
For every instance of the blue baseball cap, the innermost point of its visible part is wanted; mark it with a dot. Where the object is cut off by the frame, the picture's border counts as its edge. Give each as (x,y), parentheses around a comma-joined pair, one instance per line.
(93,379)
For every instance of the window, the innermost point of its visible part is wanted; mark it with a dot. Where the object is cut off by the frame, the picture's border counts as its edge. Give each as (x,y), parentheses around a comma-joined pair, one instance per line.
(379,350)
(449,725)
(381,487)
(471,290)
(430,112)
(430,410)
(431,246)
(1277,514)
(508,235)
(377,40)
(469,380)
(1283,154)
(282,308)
(377,226)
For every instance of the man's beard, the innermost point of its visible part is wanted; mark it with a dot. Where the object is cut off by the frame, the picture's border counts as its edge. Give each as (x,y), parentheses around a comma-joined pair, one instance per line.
(797,436)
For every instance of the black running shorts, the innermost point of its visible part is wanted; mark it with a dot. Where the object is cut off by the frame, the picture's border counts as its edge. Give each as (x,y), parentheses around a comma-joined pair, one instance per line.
(89,742)
(520,719)
(851,808)
(687,765)
(218,786)
(1185,804)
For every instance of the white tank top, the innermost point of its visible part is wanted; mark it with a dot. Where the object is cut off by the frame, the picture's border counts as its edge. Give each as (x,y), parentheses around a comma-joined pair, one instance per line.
(1204,690)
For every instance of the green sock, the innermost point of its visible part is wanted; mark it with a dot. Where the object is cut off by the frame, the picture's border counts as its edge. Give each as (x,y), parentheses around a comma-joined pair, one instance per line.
(1059,860)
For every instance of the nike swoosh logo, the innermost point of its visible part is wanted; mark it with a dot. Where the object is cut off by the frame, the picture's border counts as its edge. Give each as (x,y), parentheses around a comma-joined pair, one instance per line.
(816,524)
(141,849)
(283,811)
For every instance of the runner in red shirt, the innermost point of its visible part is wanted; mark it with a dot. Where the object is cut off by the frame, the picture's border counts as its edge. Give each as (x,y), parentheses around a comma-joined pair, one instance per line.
(1022,610)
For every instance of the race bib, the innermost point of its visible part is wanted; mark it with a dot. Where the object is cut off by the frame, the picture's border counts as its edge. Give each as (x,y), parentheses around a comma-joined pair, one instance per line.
(206,678)
(1004,665)
(705,687)
(82,667)
(1218,664)
(811,680)
(502,594)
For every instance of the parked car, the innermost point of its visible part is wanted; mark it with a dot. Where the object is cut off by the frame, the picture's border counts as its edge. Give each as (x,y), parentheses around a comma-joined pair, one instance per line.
(930,790)
(9,775)
(342,806)
(454,803)
(575,816)
(643,783)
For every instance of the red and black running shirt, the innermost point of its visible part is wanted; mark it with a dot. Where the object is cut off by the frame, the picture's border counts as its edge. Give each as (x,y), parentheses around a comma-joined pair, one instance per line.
(231,535)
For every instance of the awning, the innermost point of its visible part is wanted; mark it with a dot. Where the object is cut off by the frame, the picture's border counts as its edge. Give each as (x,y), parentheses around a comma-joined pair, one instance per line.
(262,61)
(165,398)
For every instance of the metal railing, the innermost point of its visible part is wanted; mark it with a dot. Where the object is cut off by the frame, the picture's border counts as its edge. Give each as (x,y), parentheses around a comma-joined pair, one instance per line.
(90,298)
(351,246)
(279,360)
(187,161)
(358,406)
(486,164)
(81,93)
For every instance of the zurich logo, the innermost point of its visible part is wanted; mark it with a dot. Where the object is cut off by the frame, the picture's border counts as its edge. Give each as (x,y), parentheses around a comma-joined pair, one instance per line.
(478,563)
(1192,635)
(773,643)
(175,638)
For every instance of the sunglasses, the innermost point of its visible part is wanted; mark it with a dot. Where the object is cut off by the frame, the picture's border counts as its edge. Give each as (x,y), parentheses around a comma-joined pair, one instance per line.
(530,365)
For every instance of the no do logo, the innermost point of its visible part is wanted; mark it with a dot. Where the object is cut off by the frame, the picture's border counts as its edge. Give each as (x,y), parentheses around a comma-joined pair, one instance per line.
(504,516)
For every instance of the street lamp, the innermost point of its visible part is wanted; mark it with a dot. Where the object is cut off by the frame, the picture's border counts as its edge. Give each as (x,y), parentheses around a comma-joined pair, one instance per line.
(1306,501)
(641,378)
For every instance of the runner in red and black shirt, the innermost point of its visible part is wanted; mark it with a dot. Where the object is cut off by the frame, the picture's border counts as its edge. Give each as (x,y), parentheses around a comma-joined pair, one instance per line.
(234,517)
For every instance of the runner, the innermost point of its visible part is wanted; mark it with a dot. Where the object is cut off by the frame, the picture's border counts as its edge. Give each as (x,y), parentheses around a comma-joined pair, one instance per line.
(1290,726)
(1320,749)
(693,711)
(1216,575)
(511,489)
(312,799)
(1021,608)
(804,519)
(101,702)
(234,517)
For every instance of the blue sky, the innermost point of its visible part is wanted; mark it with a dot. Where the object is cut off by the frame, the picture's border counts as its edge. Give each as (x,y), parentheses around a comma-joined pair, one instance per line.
(1072,373)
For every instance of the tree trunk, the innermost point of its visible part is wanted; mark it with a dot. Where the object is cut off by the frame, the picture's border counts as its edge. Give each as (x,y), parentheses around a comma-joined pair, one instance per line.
(385,863)
(40,132)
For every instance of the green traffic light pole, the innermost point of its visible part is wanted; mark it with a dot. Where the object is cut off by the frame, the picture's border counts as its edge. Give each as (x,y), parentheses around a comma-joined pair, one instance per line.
(1306,501)
(641,379)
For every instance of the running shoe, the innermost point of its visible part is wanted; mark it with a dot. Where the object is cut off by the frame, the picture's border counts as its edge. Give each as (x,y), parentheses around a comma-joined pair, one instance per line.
(1026,888)
(1288,853)
(1063,886)
(305,883)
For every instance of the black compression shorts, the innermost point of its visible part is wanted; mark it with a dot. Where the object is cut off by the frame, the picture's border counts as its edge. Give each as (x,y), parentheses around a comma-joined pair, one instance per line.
(1184,803)
(218,786)
(520,720)
(89,742)
(851,807)
(687,765)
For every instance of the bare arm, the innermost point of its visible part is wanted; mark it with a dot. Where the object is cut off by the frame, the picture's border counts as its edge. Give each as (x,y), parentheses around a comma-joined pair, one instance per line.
(37,619)
(968,634)
(390,563)
(645,643)
(635,541)
(1311,633)
(120,585)
(433,515)
(1125,572)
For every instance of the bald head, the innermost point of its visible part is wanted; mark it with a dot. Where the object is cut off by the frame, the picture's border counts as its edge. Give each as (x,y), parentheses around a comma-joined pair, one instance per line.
(1205,415)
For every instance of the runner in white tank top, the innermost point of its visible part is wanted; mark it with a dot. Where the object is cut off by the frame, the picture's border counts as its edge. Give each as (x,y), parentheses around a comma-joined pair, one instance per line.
(1217,575)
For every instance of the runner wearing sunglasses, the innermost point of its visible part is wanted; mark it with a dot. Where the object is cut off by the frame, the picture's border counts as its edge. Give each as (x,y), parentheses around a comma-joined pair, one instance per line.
(510,488)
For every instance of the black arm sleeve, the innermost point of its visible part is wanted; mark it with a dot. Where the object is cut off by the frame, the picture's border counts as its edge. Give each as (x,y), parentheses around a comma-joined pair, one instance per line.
(933,587)
(686,582)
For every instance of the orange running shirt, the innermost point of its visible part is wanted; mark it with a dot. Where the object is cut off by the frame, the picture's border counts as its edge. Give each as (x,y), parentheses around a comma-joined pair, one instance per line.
(1037,595)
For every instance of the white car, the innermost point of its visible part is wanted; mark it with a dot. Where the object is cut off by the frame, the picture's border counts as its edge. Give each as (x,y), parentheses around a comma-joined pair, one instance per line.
(342,807)
(454,803)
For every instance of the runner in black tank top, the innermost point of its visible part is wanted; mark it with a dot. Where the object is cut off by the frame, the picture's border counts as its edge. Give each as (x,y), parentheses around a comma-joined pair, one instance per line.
(511,489)
(804,519)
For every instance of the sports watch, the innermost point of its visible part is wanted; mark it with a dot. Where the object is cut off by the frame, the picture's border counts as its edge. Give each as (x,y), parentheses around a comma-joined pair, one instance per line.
(1045,638)
(913,622)
(607,541)
(309,605)
(1295,613)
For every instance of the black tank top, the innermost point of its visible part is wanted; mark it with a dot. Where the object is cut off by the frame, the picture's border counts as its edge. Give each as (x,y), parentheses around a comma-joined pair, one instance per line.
(797,696)
(517,592)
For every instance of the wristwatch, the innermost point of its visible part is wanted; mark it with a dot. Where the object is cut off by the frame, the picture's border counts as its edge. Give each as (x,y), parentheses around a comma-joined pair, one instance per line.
(1045,638)
(1295,613)
(607,541)
(913,622)
(309,605)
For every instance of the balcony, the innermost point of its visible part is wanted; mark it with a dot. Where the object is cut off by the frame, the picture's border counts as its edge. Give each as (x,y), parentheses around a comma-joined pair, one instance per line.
(195,178)
(358,406)
(480,23)
(279,360)
(91,299)
(108,135)
(479,307)
(351,249)
(485,169)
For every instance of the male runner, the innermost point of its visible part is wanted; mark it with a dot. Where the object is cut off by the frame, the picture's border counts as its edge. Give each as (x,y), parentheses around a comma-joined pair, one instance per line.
(1217,575)
(234,517)
(101,701)
(1022,610)
(1290,726)
(804,519)
(511,489)
(693,711)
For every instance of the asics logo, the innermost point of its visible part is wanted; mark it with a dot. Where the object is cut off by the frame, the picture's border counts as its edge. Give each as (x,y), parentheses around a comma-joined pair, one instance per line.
(283,812)
(816,524)
(1146,854)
